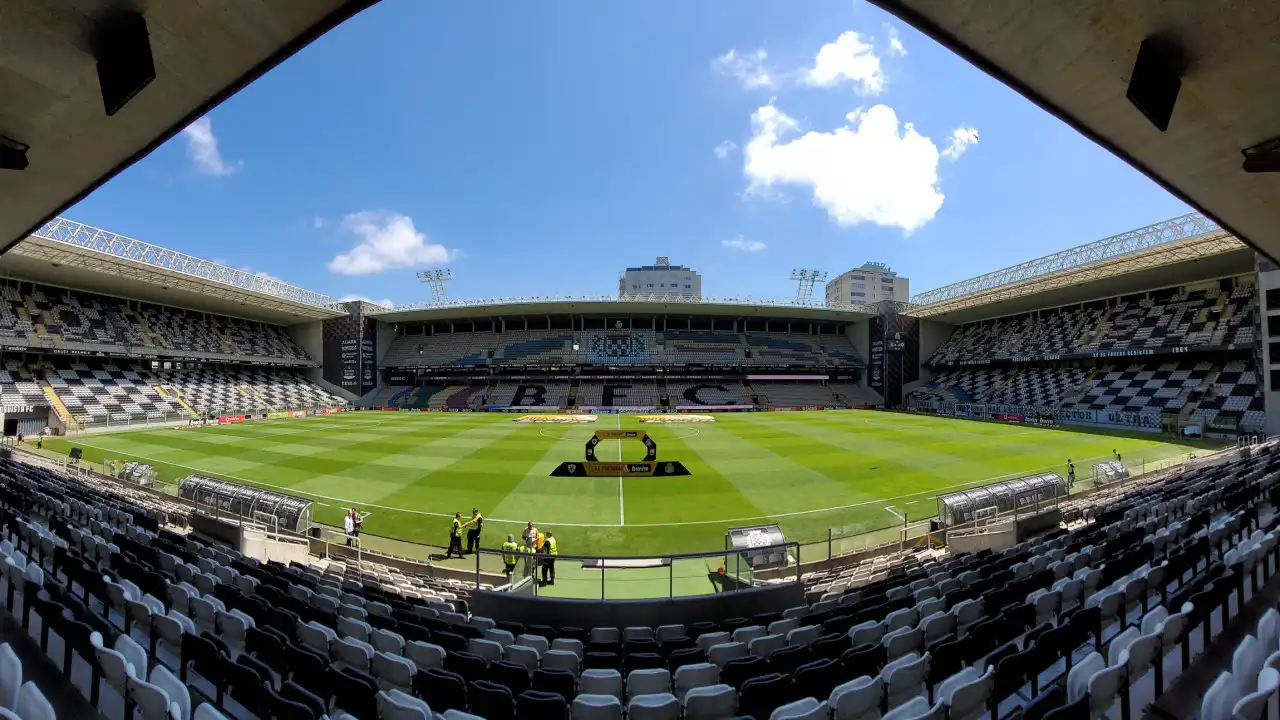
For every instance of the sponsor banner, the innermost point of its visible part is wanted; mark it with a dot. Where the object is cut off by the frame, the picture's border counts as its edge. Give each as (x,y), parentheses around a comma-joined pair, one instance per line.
(228,419)
(592,468)
(1009,418)
(297,413)
(786,377)
(277,415)
(330,411)
(557,419)
(712,408)
(676,419)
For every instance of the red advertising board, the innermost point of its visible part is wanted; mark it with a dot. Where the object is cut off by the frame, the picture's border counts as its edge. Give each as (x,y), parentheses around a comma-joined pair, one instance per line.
(228,419)
(330,411)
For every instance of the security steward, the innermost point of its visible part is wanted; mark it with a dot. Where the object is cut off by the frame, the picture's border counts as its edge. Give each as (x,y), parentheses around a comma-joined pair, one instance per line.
(549,563)
(455,536)
(473,531)
(509,557)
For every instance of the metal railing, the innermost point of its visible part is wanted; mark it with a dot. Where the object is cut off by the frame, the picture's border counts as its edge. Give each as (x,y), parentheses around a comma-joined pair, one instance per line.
(602,577)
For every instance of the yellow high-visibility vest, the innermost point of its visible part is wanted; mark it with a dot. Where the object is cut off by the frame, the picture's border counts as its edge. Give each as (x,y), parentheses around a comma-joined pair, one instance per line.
(457,528)
(509,549)
(551,543)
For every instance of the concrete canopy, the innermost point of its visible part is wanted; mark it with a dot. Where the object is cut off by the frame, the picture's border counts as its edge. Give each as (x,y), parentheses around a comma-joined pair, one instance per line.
(1075,59)
(204,51)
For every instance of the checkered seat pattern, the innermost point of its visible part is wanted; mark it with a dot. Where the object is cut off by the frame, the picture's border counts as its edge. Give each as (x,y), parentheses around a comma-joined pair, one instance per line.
(100,391)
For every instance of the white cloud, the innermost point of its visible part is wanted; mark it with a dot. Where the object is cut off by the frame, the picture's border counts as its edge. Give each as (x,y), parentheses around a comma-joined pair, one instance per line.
(387,240)
(870,170)
(961,138)
(723,149)
(749,68)
(319,223)
(202,147)
(850,58)
(741,244)
(896,47)
(381,303)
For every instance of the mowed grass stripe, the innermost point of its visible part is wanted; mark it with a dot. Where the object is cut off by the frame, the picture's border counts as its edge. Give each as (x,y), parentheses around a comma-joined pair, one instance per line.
(704,495)
(557,500)
(882,467)
(323,449)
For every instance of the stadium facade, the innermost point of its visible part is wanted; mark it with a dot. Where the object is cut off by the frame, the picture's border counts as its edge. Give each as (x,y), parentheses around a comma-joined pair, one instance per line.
(1157,329)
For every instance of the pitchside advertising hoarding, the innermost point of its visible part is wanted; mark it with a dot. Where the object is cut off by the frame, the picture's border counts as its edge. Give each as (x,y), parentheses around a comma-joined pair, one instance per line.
(1144,421)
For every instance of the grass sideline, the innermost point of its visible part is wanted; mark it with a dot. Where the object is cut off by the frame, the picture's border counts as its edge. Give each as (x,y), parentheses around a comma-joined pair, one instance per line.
(807,471)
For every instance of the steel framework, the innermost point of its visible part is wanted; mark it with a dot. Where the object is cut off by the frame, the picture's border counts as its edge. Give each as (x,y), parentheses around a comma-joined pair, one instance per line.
(1174,230)
(435,279)
(62,230)
(644,297)
(805,280)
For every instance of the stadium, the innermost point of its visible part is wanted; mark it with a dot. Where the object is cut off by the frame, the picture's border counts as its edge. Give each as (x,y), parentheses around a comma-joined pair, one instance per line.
(1046,491)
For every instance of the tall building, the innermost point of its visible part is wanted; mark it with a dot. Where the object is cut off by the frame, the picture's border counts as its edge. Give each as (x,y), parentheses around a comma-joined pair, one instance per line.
(660,278)
(868,284)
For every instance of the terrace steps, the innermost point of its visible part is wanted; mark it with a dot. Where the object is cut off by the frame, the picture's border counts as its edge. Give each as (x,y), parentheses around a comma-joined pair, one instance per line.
(176,395)
(59,408)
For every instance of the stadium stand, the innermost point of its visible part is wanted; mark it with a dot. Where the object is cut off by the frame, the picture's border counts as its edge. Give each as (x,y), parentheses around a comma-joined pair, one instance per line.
(530,394)
(519,348)
(212,389)
(1223,397)
(782,394)
(58,319)
(1078,618)
(618,393)
(1165,321)
(706,393)
(99,390)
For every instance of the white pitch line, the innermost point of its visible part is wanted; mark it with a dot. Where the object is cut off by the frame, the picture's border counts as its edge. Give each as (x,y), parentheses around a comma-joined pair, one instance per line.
(345,502)
(622,510)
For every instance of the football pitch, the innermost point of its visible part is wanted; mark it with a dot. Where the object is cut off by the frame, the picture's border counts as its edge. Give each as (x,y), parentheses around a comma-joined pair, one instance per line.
(817,474)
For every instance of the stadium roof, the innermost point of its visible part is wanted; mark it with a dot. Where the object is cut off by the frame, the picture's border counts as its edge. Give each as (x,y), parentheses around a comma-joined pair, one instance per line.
(1075,59)
(68,254)
(613,306)
(1054,281)
(203,52)
(1188,238)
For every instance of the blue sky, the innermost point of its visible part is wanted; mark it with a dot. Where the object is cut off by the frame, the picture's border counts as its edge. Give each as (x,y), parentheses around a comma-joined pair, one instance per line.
(542,149)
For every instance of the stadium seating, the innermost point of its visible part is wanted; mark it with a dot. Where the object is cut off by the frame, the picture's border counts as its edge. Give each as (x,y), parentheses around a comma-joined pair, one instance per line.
(213,390)
(59,319)
(1113,609)
(522,348)
(622,393)
(1166,321)
(96,391)
(530,394)
(706,393)
(782,394)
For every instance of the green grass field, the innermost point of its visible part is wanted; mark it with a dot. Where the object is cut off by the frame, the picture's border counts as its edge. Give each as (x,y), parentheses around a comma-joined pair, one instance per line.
(808,471)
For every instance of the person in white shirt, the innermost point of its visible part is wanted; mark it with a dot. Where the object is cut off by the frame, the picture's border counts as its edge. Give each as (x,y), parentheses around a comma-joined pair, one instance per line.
(349,525)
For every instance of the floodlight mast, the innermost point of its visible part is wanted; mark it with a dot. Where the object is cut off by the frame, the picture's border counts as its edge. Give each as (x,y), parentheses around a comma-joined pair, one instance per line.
(436,279)
(805,280)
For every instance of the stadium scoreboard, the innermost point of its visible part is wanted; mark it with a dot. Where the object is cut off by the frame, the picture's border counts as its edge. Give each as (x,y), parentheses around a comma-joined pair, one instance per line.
(648,467)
